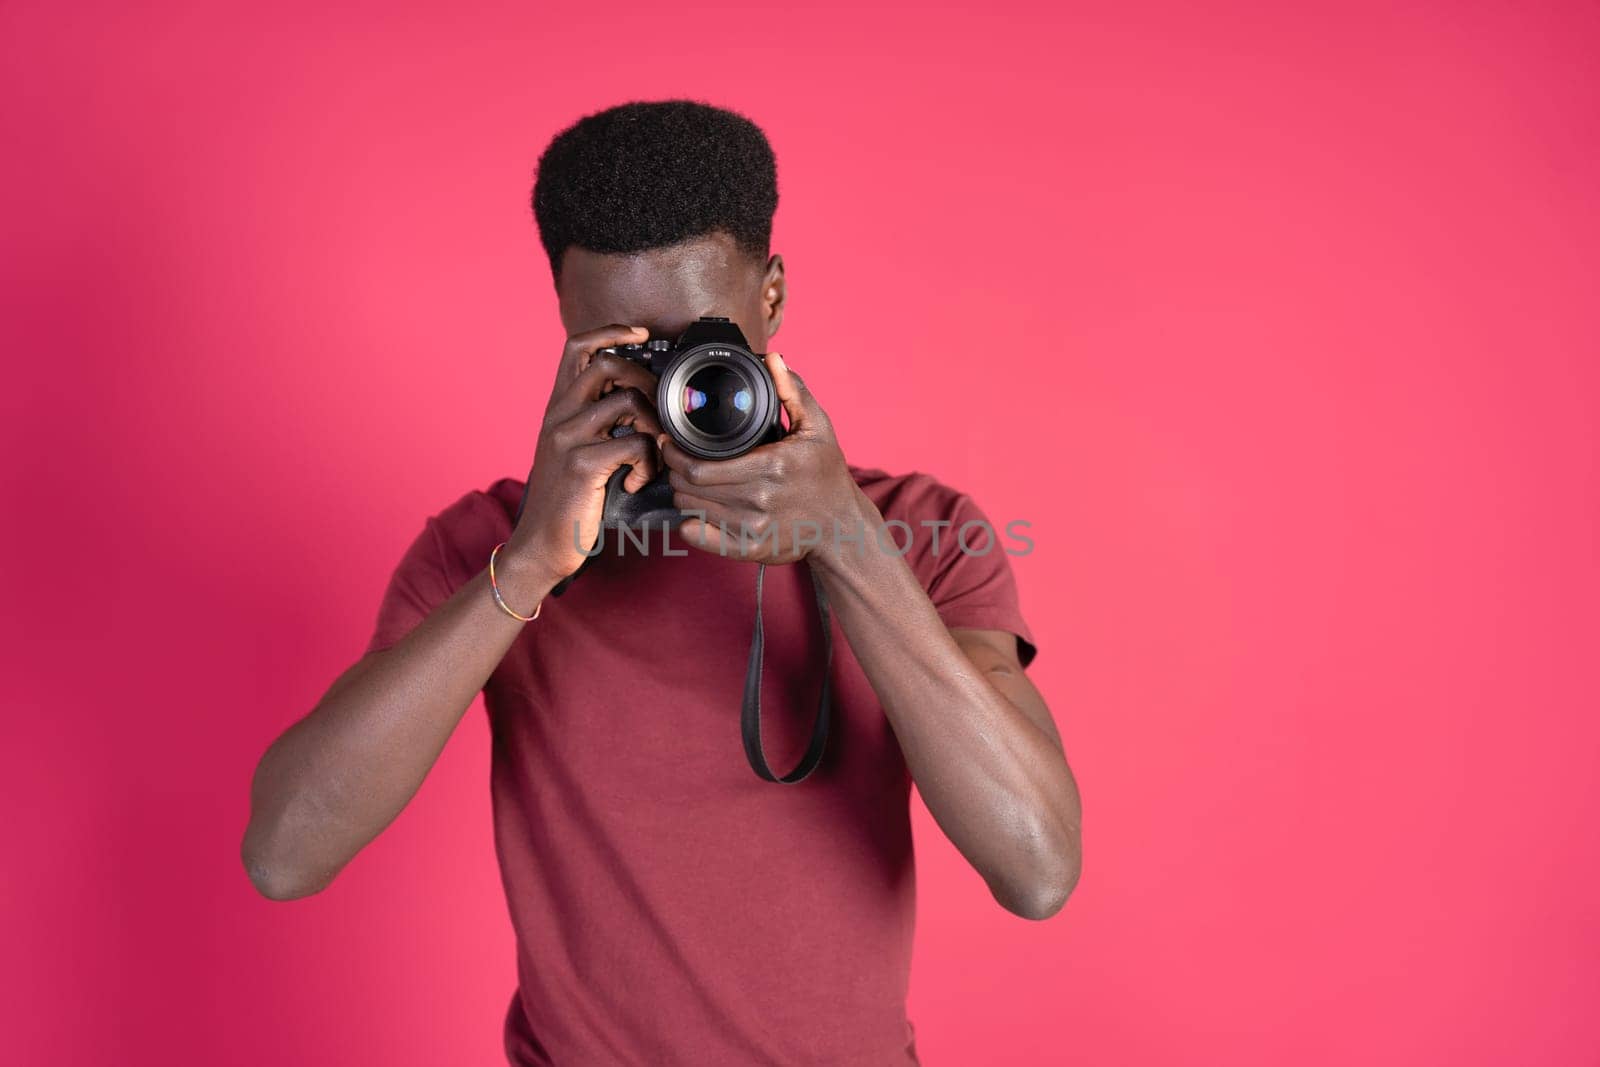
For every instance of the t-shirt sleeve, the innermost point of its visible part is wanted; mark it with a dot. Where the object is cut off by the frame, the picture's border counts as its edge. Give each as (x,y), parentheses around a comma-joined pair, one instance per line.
(968,574)
(419,584)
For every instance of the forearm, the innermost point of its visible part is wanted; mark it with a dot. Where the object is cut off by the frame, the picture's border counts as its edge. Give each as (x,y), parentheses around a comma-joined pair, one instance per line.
(997,784)
(336,778)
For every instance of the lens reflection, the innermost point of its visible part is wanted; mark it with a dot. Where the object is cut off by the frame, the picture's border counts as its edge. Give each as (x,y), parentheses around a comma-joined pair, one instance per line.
(717,400)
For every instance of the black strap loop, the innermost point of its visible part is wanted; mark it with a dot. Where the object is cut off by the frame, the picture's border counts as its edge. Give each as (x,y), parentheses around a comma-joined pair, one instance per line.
(750,717)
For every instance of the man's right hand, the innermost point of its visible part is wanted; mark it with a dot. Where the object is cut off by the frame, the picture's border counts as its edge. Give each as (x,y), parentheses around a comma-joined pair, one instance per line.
(594,392)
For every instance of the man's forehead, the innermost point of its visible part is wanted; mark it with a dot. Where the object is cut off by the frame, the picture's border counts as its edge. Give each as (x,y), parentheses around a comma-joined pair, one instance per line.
(664,289)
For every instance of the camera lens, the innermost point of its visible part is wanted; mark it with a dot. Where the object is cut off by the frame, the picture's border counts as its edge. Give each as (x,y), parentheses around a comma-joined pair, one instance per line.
(717,400)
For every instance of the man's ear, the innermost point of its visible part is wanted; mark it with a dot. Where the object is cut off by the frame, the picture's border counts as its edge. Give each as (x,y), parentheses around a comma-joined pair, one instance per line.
(774,291)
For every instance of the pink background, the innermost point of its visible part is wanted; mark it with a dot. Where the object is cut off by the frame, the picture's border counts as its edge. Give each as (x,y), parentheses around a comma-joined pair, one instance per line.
(1278,323)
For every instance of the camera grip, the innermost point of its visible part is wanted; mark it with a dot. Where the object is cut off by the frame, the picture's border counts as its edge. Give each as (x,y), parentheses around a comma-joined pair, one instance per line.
(649,509)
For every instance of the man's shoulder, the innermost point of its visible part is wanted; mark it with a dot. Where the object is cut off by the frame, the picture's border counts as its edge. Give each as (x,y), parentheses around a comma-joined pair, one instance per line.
(474,522)
(476,507)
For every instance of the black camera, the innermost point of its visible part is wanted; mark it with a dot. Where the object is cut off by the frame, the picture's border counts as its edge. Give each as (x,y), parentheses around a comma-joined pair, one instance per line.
(714,395)
(716,399)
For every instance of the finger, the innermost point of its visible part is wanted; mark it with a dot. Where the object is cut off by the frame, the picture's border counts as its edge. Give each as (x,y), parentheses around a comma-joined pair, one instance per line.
(607,370)
(712,508)
(791,392)
(603,374)
(707,535)
(580,346)
(724,492)
(721,538)
(764,461)
(626,406)
(599,461)
(734,532)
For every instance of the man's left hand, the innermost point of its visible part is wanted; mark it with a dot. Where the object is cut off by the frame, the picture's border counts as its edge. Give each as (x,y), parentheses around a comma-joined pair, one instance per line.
(777,503)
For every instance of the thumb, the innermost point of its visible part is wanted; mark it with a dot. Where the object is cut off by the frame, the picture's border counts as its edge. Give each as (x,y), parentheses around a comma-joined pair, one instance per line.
(789,391)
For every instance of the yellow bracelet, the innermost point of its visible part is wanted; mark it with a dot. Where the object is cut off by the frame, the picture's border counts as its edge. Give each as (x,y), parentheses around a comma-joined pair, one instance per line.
(494,587)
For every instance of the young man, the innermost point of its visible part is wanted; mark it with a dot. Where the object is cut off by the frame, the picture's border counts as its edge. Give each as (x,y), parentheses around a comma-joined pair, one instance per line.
(672,907)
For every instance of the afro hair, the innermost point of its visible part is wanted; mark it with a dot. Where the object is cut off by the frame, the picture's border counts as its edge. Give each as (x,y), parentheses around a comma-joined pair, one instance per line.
(648,174)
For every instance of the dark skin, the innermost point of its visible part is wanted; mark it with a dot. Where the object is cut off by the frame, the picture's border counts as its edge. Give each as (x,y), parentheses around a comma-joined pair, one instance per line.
(976,735)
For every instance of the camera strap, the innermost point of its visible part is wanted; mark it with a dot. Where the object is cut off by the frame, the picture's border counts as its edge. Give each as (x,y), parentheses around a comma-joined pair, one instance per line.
(750,718)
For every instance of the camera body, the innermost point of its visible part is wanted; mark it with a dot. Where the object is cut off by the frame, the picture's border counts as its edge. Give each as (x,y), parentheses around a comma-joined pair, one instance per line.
(714,397)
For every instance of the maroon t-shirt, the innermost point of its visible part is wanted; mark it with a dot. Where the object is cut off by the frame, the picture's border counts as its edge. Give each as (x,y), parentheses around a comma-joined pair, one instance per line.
(670,906)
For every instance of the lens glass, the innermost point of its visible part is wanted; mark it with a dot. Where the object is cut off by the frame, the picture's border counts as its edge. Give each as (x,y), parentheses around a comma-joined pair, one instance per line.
(717,400)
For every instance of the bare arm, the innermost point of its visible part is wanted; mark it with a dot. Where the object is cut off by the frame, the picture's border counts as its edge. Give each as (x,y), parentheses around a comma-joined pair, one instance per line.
(336,778)
(977,736)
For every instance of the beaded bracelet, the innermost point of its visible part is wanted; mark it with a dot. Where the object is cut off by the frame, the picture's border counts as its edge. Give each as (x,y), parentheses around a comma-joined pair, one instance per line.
(498,599)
